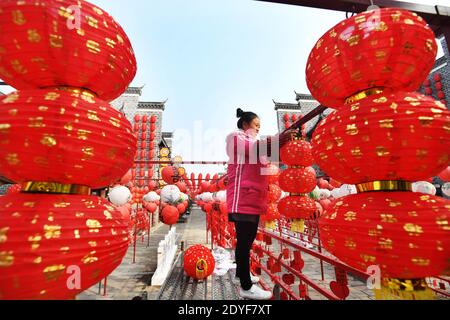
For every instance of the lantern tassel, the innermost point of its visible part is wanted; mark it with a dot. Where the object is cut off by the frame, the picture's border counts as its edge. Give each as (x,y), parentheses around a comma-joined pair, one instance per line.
(270,225)
(401,289)
(298,225)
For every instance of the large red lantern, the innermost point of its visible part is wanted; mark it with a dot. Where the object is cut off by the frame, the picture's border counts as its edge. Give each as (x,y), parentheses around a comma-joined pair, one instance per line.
(198,262)
(381,138)
(387,48)
(385,228)
(54,42)
(55,246)
(411,140)
(85,139)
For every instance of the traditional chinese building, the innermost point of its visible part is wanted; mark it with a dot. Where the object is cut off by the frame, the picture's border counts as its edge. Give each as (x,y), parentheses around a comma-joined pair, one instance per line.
(130,105)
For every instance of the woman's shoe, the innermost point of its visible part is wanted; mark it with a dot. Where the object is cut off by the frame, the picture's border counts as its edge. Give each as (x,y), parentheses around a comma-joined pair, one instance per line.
(255,293)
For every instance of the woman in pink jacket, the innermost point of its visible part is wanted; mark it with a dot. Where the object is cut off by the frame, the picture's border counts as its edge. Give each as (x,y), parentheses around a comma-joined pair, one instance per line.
(247,191)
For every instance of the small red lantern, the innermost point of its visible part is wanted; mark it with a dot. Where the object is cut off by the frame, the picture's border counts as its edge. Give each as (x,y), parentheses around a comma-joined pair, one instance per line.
(153,119)
(297,180)
(297,153)
(170,215)
(45,48)
(198,262)
(170,175)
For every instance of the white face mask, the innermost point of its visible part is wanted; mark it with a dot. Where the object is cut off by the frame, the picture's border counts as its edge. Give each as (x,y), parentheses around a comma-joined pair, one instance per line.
(252,132)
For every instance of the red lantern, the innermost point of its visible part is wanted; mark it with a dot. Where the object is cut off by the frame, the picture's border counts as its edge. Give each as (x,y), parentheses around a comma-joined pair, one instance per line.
(438,85)
(153,119)
(297,207)
(152,127)
(400,56)
(441,94)
(45,138)
(137,117)
(437,77)
(426,83)
(198,262)
(410,143)
(144,125)
(428,91)
(44,52)
(144,120)
(286,117)
(297,180)
(384,228)
(43,236)
(294,118)
(205,186)
(152,136)
(170,215)
(297,153)
(208,207)
(170,175)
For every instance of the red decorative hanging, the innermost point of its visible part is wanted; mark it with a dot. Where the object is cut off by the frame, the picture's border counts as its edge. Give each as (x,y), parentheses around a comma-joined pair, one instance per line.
(170,175)
(45,48)
(410,142)
(397,47)
(153,119)
(297,153)
(170,215)
(63,136)
(46,239)
(385,228)
(297,180)
(198,262)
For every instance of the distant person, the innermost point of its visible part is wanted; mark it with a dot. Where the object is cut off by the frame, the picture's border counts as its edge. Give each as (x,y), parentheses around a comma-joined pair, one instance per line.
(247,191)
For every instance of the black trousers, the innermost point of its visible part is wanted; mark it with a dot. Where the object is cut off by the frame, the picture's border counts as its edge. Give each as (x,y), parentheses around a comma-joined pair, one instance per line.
(245,235)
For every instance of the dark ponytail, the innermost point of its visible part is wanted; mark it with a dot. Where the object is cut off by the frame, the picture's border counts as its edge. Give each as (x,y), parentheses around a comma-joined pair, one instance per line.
(244,117)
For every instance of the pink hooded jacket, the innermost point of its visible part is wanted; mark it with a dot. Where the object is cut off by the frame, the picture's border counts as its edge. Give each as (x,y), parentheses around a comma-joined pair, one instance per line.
(247,188)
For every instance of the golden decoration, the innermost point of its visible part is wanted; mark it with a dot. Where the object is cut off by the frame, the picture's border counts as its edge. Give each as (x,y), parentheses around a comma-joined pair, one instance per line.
(48,140)
(362,95)
(6,259)
(36,122)
(413,229)
(52,232)
(93,225)
(12,159)
(33,35)
(53,272)
(89,258)
(384,185)
(93,46)
(56,41)
(3,236)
